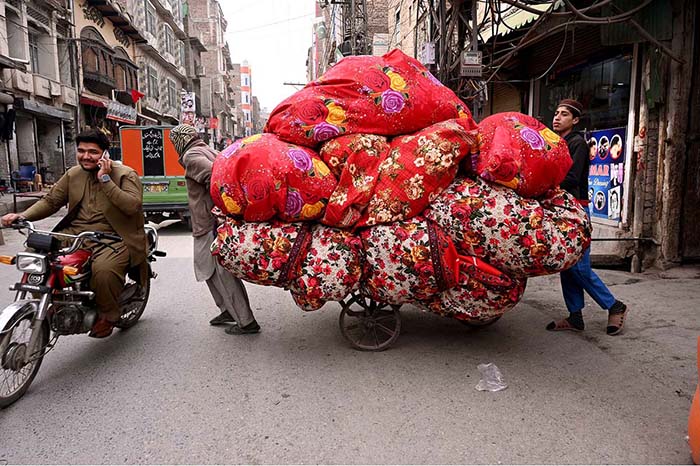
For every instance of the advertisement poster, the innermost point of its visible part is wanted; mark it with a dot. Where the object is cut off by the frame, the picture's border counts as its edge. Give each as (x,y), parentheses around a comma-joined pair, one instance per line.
(607,173)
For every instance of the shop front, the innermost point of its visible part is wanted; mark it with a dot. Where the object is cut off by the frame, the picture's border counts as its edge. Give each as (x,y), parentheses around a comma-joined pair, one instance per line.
(108,116)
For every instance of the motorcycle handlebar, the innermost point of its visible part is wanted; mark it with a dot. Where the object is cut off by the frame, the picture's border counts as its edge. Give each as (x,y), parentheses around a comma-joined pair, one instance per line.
(77,239)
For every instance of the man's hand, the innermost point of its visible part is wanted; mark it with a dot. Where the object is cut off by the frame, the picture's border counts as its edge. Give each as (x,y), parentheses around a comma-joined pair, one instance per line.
(9,219)
(105,167)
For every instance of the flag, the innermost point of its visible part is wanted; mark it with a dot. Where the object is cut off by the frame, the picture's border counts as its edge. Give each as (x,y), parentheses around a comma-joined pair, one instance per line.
(136,95)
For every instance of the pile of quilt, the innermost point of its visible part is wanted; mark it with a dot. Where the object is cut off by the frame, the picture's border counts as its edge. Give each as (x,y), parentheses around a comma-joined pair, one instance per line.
(376,180)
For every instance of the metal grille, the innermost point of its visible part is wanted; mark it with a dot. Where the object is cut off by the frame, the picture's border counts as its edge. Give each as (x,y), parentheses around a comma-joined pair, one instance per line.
(38,16)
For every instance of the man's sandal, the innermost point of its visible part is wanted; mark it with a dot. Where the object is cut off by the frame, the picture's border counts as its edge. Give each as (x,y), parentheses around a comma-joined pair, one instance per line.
(561,325)
(616,322)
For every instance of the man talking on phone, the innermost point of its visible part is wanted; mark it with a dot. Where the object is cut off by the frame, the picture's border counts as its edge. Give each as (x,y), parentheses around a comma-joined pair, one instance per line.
(105,197)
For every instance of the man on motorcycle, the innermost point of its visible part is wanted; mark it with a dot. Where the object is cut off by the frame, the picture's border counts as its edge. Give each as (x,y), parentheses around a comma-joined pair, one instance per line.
(104,197)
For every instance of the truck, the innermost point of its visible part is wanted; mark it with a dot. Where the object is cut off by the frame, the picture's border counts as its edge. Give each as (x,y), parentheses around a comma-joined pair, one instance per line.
(148,150)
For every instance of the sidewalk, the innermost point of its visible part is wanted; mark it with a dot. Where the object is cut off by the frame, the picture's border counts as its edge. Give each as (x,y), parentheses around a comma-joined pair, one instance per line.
(7,206)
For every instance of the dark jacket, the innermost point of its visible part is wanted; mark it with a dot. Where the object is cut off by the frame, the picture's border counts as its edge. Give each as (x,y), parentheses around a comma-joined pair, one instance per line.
(576,181)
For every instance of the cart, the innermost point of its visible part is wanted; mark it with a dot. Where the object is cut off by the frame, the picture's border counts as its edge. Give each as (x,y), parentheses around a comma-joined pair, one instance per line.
(372,326)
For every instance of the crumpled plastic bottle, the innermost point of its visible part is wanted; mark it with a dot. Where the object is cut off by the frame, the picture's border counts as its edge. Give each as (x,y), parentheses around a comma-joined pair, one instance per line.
(491,378)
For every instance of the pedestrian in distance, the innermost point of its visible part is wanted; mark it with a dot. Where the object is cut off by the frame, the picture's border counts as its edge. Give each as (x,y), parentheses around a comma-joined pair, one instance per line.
(228,292)
(581,276)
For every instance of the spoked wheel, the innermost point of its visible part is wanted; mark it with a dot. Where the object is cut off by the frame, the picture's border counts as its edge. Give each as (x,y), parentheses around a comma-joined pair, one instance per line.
(369,325)
(15,374)
(480,324)
(135,303)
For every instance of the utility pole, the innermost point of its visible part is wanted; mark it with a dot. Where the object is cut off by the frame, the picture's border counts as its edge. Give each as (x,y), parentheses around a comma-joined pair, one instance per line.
(354,14)
(451,27)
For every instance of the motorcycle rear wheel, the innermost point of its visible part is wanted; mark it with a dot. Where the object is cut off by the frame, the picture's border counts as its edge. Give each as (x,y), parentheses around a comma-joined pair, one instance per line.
(133,310)
(15,376)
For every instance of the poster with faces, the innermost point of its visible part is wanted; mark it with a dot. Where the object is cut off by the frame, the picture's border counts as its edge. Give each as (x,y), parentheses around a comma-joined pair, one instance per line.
(606,175)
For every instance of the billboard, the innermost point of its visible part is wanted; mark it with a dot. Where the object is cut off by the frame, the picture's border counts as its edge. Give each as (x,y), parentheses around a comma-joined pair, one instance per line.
(606,175)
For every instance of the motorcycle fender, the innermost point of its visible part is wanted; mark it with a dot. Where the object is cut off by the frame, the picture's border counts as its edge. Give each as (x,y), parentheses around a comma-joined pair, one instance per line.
(9,312)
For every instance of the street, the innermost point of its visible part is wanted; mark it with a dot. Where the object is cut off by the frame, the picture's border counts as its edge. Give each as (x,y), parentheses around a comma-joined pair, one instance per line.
(175,390)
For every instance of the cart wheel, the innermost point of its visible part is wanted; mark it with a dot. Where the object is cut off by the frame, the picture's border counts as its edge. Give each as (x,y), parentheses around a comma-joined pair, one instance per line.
(477,324)
(369,325)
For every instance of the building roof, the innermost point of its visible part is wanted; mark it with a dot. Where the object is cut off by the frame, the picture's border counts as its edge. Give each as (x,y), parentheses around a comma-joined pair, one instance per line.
(517,19)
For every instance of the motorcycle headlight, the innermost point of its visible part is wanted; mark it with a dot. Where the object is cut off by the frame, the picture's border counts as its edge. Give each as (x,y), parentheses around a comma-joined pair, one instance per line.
(31,263)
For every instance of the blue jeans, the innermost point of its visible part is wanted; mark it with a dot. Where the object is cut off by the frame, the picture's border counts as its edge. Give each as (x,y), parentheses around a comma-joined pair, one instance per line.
(580,278)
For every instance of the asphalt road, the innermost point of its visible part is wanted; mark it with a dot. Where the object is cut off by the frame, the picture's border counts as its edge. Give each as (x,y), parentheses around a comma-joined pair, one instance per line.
(175,390)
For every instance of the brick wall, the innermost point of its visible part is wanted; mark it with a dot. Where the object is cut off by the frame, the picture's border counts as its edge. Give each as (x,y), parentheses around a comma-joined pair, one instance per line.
(377,17)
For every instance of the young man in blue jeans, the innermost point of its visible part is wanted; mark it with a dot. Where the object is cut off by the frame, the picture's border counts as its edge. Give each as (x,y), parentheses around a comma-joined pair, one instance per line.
(581,277)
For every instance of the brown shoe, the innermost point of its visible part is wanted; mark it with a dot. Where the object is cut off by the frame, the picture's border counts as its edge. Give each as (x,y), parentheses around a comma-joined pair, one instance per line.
(616,321)
(561,325)
(102,328)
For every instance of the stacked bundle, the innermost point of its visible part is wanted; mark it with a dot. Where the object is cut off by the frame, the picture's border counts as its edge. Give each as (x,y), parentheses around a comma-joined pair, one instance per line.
(380,208)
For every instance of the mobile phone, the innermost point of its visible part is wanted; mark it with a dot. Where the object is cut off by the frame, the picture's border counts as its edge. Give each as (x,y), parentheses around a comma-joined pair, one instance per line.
(105,155)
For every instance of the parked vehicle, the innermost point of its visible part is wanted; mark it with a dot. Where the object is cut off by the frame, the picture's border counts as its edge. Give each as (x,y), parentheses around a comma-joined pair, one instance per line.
(53,299)
(148,150)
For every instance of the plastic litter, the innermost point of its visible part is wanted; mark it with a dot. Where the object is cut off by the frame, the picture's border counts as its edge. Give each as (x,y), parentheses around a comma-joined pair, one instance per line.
(491,378)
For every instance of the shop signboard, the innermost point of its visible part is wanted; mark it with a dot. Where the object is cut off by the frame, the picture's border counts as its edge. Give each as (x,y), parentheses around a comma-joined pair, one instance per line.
(606,175)
(120,112)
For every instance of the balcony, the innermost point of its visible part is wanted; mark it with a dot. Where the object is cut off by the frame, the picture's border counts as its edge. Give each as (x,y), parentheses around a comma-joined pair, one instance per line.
(98,82)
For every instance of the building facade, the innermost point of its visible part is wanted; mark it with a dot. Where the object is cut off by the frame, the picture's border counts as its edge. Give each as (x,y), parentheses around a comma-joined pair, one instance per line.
(161,59)
(208,24)
(108,70)
(39,88)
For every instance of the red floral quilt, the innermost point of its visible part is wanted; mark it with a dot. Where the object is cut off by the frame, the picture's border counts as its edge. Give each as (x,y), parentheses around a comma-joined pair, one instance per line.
(389,95)
(475,301)
(331,269)
(262,253)
(355,160)
(522,237)
(261,177)
(520,152)
(417,169)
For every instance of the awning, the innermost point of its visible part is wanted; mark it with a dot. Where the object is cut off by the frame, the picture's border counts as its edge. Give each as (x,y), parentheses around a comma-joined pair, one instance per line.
(40,109)
(92,102)
(516,18)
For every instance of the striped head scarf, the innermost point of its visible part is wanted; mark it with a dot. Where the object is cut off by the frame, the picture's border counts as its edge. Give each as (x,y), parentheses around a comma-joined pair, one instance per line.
(181,136)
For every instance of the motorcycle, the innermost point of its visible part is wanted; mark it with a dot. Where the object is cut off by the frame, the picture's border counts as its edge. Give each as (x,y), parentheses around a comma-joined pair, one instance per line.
(54,299)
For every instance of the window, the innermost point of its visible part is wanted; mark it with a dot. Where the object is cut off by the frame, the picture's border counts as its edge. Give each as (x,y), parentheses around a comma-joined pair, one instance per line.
(183,59)
(246,99)
(153,83)
(397,22)
(120,76)
(65,62)
(169,40)
(245,80)
(34,51)
(151,18)
(15,35)
(175,6)
(172,94)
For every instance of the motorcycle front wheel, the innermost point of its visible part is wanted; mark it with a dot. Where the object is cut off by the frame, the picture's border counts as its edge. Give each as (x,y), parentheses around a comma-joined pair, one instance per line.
(15,374)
